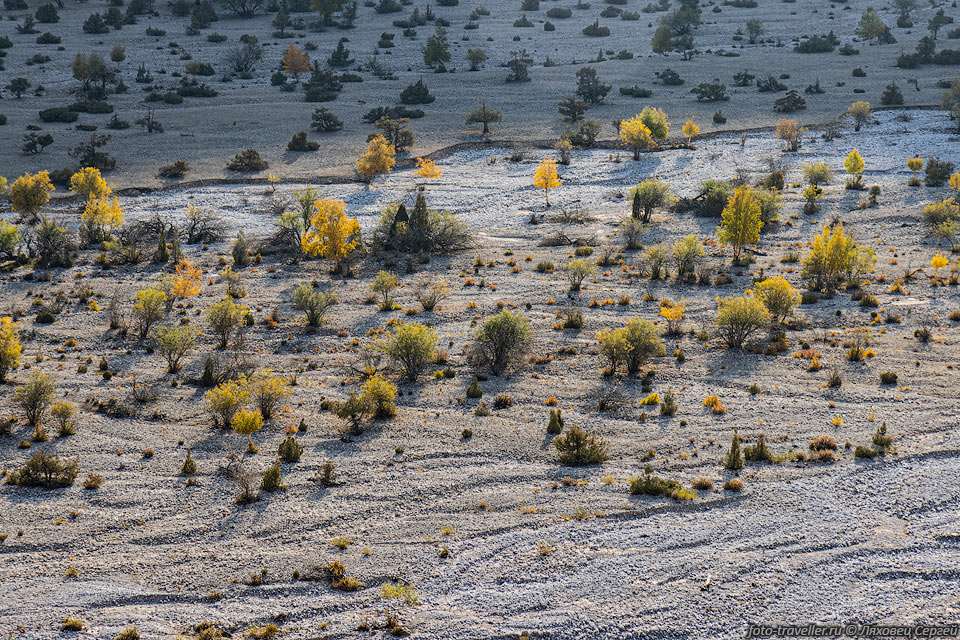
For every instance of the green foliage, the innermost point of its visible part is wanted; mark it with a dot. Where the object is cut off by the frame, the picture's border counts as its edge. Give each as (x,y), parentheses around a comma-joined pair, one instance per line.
(474,391)
(148,307)
(271,479)
(502,340)
(35,397)
(734,460)
(313,303)
(175,343)
(42,470)
(580,448)
(412,345)
(739,317)
(226,319)
(555,426)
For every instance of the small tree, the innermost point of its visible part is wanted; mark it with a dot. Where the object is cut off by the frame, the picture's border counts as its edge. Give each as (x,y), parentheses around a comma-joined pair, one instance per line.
(754,29)
(378,159)
(175,343)
(476,57)
(148,307)
(656,121)
(739,317)
(437,50)
(854,165)
(379,393)
(614,349)
(502,339)
(247,423)
(384,284)
(686,254)
(915,165)
(225,320)
(635,135)
(267,391)
(412,345)
(333,235)
(778,296)
(589,87)
(313,303)
(89,183)
(546,177)
(690,129)
(578,270)
(741,221)
(100,216)
(789,131)
(644,343)
(225,400)
(35,397)
(30,193)
(860,112)
(10,347)
(648,196)
(295,62)
(835,256)
(484,116)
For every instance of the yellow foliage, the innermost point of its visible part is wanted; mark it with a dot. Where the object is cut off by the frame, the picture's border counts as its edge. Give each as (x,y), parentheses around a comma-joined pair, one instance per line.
(226,399)
(672,312)
(778,296)
(186,279)
(10,348)
(30,192)
(741,221)
(690,129)
(954,181)
(89,183)
(427,169)
(854,164)
(939,261)
(635,135)
(546,177)
(333,235)
(102,213)
(915,164)
(295,61)
(247,423)
(379,158)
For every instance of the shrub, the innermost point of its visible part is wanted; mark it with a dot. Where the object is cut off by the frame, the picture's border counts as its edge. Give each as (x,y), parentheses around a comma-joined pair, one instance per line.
(226,319)
(474,391)
(888,377)
(580,448)
(778,296)
(741,221)
(823,443)
(148,307)
(702,484)
(733,484)
(937,172)
(267,391)
(412,345)
(30,193)
(35,397)
(290,450)
(668,404)
(380,394)
(247,160)
(42,470)
(734,460)
(429,295)
(881,440)
(686,254)
(225,400)
(739,317)
(502,339)
(354,411)
(759,452)
(864,452)
(299,142)
(817,173)
(189,467)
(651,485)
(835,257)
(63,413)
(246,423)
(271,479)
(175,343)
(177,169)
(10,348)
(577,271)
(555,426)
(313,303)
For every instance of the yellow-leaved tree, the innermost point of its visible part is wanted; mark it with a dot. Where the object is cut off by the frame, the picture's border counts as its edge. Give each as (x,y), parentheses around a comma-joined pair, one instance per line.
(186,279)
(10,348)
(914,164)
(379,158)
(29,193)
(636,136)
(333,235)
(427,169)
(99,216)
(546,177)
(954,182)
(295,61)
(89,183)
(741,221)
(854,165)
(690,129)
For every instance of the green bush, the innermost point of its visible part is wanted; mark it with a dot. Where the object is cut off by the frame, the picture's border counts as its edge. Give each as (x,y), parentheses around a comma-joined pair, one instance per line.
(290,450)
(502,340)
(35,397)
(580,448)
(739,317)
(412,345)
(42,470)
(175,343)
(313,303)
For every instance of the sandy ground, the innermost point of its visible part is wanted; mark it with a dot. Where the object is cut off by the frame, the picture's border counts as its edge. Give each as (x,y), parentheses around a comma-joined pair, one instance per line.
(864,541)
(250,113)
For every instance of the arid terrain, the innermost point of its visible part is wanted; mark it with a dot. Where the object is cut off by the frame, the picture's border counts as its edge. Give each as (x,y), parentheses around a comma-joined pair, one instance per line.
(248,111)
(494,534)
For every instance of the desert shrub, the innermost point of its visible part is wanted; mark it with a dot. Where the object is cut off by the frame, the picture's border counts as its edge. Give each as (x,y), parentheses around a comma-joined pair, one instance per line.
(299,142)
(176,169)
(246,423)
(739,317)
(823,443)
(422,230)
(474,391)
(226,319)
(759,452)
(35,397)
(835,257)
(577,271)
(63,413)
(650,485)
(714,195)
(937,172)
(864,452)
(686,254)
(502,340)
(668,404)
(313,303)
(733,484)
(580,448)
(247,160)
(149,306)
(430,294)
(412,345)
(290,450)
(778,296)
(29,193)
(42,470)
(555,425)
(225,400)
(10,348)
(817,173)
(189,466)
(734,459)
(354,411)
(503,401)
(175,343)
(702,484)
(380,394)
(384,284)
(272,481)
(888,377)
(267,392)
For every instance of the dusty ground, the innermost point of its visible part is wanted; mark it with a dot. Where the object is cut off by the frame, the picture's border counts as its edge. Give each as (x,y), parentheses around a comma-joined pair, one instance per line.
(853,541)
(250,113)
